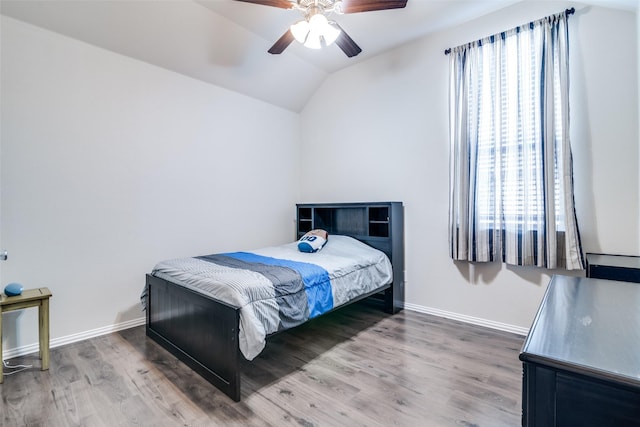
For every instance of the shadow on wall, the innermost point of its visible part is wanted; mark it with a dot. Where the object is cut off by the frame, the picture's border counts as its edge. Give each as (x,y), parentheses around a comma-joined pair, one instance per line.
(476,273)
(133,313)
(582,144)
(10,325)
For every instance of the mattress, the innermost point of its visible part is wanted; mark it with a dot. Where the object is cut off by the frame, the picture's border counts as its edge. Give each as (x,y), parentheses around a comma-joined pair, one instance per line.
(279,287)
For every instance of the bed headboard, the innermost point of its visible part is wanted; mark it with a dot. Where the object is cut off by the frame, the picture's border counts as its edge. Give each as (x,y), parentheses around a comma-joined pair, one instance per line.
(378,224)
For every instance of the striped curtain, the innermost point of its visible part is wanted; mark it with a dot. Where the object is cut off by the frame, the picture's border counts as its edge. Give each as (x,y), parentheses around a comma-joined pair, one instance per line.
(511,178)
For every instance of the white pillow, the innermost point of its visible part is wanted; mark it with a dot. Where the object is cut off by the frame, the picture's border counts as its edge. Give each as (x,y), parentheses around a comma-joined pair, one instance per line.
(313,241)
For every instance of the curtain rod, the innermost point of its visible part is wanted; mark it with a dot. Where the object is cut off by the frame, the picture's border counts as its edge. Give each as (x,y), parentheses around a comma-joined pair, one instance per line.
(567,13)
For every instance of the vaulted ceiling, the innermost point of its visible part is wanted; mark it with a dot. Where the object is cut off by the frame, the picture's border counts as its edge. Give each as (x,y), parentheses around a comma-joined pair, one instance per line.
(225,42)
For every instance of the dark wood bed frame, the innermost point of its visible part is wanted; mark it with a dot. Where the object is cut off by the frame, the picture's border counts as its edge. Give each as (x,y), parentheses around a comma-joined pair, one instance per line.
(203,332)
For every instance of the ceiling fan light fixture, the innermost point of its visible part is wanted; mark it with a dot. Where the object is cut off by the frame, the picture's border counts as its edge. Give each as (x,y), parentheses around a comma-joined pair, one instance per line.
(326,32)
(315,32)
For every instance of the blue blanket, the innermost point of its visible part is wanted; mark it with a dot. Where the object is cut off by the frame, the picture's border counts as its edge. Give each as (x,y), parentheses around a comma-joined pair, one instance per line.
(302,290)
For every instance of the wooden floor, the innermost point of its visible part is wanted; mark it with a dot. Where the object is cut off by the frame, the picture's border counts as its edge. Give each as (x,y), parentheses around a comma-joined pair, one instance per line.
(355,367)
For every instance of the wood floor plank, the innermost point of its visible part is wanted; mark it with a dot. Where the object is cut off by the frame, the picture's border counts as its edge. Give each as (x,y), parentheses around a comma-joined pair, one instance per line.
(356,366)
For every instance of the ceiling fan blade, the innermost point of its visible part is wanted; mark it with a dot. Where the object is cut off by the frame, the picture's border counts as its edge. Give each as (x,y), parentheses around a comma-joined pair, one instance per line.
(282,43)
(283,4)
(346,43)
(356,6)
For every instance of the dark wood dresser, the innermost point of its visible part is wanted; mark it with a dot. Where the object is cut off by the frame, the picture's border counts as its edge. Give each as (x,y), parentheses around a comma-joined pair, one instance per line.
(581,358)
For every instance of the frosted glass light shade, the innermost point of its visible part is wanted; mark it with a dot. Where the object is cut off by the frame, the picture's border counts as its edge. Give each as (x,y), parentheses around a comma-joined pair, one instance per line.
(317,22)
(331,33)
(300,30)
(313,40)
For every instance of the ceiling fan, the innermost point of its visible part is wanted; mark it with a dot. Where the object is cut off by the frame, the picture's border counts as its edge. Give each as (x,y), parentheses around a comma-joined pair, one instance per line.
(316,30)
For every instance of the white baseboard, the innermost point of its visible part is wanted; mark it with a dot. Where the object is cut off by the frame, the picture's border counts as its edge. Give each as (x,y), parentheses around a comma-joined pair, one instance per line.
(69,339)
(468,319)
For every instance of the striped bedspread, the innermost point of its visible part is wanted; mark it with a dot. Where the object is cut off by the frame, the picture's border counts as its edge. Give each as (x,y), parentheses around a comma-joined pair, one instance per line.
(279,287)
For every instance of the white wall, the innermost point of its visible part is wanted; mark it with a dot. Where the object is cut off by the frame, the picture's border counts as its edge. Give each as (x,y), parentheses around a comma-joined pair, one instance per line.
(110,164)
(380,129)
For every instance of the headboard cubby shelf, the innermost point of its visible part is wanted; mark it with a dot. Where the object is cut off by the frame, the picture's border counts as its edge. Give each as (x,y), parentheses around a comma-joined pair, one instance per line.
(378,224)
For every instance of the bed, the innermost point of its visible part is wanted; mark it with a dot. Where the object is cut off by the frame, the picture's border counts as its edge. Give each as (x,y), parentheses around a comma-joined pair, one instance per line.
(212,310)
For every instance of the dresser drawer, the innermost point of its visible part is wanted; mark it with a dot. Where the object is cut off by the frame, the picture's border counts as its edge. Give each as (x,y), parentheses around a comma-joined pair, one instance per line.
(624,268)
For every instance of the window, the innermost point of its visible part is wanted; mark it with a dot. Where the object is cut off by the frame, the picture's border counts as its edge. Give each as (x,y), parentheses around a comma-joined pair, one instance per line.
(511,195)
(516,154)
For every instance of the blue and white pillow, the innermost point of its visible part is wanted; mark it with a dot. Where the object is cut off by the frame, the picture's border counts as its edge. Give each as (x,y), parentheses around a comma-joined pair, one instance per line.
(313,241)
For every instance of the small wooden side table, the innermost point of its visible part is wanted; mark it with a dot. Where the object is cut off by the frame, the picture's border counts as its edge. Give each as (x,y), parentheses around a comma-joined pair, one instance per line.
(30,298)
